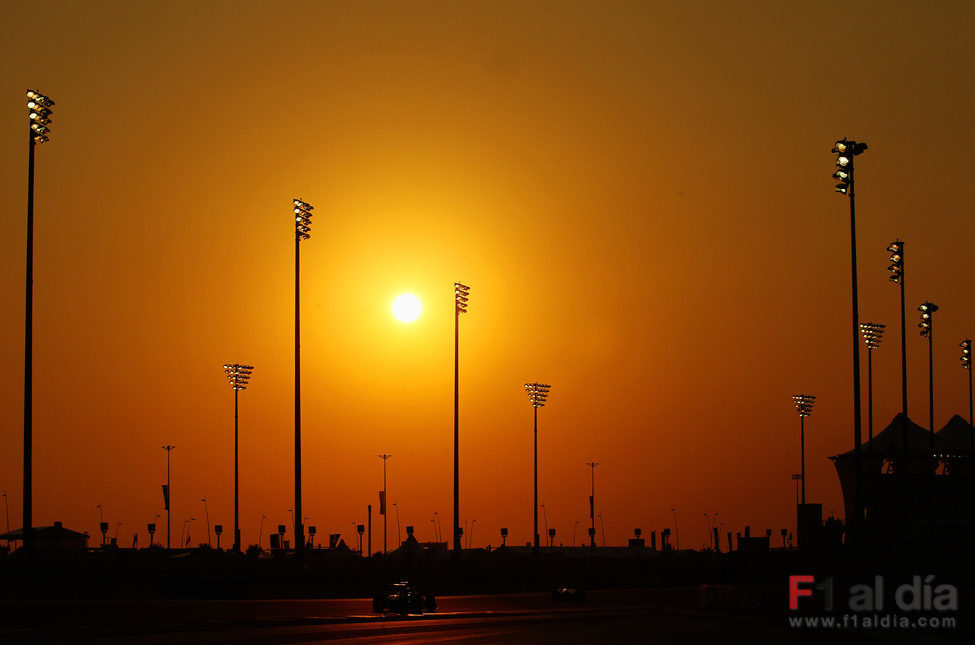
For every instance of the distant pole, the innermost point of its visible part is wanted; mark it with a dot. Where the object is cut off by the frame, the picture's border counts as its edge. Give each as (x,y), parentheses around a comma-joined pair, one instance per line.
(804,405)
(872,334)
(206,514)
(6,507)
(302,214)
(399,535)
(927,310)
(260,531)
(966,363)
(545,516)
(38,123)
(169,498)
(896,269)
(369,537)
(238,376)
(592,502)
(574,527)
(537,395)
(461,296)
(711,526)
(383,508)
(676,532)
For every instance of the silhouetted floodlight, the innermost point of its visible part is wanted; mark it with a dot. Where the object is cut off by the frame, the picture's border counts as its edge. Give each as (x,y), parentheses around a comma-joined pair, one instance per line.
(896,267)
(238,375)
(927,310)
(38,125)
(804,405)
(461,297)
(302,213)
(847,150)
(39,114)
(537,395)
(872,335)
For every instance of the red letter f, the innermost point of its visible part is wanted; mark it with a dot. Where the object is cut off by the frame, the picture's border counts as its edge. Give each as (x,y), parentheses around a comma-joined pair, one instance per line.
(795,591)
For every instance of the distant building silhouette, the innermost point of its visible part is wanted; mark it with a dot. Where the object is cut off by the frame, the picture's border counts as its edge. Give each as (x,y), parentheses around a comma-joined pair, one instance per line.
(51,538)
(921,493)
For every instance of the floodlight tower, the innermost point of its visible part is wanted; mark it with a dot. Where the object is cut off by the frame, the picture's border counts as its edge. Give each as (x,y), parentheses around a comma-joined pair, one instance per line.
(804,405)
(966,363)
(846,151)
(461,297)
(872,333)
(537,395)
(592,503)
(38,125)
(896,269)
(927,310)
(168,498)
(238,375)
(302,214)
(382,506)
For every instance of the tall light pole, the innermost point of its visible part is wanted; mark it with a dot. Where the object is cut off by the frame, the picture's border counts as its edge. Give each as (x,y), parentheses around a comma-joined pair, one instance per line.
(676,532)
(872,333)
(6,508)
(592,502)
(927,310)
(302,213)
(168,498)
(382,500)
(38,125)
(537,395)
(238,376)
(206,514)
(545,517)
(846,151)
(712,522)
(966,364)
(399,536)
(260,531)
(896,269)
(804,405)
(461,296)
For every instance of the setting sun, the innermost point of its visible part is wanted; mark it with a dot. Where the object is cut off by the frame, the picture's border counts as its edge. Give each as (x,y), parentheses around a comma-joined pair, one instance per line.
(407,307)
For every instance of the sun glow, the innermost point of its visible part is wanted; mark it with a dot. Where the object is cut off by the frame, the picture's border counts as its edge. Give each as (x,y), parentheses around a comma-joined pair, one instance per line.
(407,308)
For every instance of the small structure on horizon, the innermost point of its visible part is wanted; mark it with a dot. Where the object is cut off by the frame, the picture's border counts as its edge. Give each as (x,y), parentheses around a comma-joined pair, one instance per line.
(51,538)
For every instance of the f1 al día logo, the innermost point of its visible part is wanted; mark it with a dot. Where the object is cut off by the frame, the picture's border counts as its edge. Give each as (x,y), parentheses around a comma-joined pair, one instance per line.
(922,603)
(920,594)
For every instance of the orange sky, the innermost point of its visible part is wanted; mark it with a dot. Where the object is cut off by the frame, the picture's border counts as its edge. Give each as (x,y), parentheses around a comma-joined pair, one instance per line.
(638,195)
